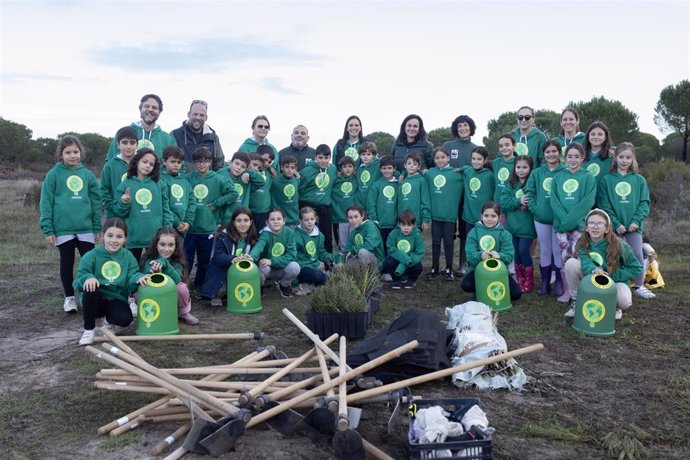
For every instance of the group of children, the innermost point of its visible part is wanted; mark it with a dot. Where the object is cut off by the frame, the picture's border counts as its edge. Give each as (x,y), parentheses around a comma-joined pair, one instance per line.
(286,220)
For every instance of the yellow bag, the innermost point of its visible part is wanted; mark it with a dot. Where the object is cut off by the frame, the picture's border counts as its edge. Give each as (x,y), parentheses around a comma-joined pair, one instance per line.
(652,278)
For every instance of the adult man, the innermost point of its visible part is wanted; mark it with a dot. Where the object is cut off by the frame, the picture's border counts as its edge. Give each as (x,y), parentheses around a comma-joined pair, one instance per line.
(195,133)
(150,134)
(298,148)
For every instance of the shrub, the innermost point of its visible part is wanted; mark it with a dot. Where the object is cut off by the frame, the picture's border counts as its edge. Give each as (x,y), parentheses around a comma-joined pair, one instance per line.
(340,294)
(365,275)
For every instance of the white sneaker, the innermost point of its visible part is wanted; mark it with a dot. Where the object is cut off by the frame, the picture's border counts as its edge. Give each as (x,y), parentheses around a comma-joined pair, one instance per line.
(87,337)
(644,293)
(133,306)
(386,278)
(571,311)
(619,313)
(70,304)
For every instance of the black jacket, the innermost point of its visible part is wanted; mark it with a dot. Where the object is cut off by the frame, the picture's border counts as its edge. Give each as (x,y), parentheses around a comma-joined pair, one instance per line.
(186,140)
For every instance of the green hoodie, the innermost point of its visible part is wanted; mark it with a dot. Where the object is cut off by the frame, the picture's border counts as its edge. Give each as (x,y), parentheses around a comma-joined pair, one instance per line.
(342,197)
(147,211)
(445,192)
(70,201)
(597,166)
(366,236)
(280,248)
(211,193)
(628,265)
(519,221)
(116,273)
(573,196)
(315,184)
(382,202)
(174,271)
(413,194)
(366,176)
(310,249)
(502,170)
(157,139)
(406,249)
(532,144)
(242,190)
(579,138)
(538,189)
(180,198)
(482,239)
(479,188)
(460,152)
(285,195)
(260,195)
(113,173)
(625,198)
(250,145)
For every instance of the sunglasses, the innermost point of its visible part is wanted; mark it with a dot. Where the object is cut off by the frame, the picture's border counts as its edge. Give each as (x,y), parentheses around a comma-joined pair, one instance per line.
(199,101)
(263,126)
(524,117)
(596,224)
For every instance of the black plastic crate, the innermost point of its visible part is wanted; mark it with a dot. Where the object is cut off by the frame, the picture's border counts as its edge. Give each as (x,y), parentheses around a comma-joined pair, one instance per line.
(477,449)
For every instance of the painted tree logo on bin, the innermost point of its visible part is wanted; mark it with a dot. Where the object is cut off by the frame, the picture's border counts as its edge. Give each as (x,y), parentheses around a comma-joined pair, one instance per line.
(310,247)
(322,180)
(389,192)
(594,169)
(503,174)
(406,188)
(143,197)
(365,177)
(521,149)
(200,192)
(346,188)
(496,291)
(278,250)
(487,243)
(149,311)
(352,153)
(75,184)
(475,184)
(570,186)
(593,311)
(546,185)
(623,189)
(111,270)
(289,191)
(439,181)
(177,191)
(244,292)
(404,246)
(359,239)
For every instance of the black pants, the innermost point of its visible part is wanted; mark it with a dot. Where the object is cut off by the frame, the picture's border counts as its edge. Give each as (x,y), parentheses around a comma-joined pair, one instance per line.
(67,257)
(325,223)
(442,231)
(468,285)
(136,252)
(384,237)
(95,306)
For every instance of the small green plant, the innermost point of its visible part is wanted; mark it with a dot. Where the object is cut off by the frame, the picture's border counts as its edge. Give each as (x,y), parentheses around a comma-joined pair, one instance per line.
(340,294)
(365,275)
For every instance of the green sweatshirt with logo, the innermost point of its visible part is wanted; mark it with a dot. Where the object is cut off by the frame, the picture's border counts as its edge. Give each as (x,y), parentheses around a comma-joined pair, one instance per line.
(406,249)
(116,273)
(628,265)
(579,138)
(242,190)
(460,152)
(285,195)
(343,196)
(280,247)
(532,144)
(482,239)
(538,189)
(315,184)
(382,202)
(598,166)
(479,188)
(156,139)
(625,198)
(502,169)
(70,201)
(519,221)
(113,173)
(446,186)
(573,195)
(260,195)
(413,194)
(147,211)
(212,192)
(180,198)
(310,248)
(174,271)
(366,236)
(367,175)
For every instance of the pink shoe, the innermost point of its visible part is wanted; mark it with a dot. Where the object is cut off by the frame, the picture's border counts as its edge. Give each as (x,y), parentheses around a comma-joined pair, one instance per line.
(189,319)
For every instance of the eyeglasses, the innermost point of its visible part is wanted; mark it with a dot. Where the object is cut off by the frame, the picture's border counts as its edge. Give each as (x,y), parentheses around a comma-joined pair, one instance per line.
(596,224)
(263,126)
(199,101)
(524,117)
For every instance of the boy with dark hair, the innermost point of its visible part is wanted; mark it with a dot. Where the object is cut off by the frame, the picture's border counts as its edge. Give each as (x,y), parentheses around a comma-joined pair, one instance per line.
(115,169)
(211,192)
(414,191)
(240,178)
(260,194)
(368,171)
(342,197)
(405,251)
(382,200)
(180,198)
(315,186)
(284,190)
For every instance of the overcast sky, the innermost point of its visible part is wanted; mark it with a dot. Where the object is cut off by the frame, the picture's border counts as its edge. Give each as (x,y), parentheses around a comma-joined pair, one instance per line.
(83,65)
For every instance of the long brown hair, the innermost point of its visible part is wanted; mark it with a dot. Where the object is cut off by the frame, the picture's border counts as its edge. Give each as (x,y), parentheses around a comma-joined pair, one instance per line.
(178,257)
(613,251)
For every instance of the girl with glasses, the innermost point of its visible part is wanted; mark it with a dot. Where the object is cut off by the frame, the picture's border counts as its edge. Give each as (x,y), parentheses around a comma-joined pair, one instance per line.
(530,140)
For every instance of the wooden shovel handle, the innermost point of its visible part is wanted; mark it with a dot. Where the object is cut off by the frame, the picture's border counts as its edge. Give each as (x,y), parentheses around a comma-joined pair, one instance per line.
(161,338)
(314,338)
(374,451)
(343,422)
(170,440)
(324,370)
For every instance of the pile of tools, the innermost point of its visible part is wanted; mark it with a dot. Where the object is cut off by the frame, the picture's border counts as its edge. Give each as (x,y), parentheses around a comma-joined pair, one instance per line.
(216,411)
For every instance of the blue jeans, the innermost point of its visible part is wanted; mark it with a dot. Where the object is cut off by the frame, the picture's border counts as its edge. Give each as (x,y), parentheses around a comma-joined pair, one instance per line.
(312,276)
(522,253)
(199,245)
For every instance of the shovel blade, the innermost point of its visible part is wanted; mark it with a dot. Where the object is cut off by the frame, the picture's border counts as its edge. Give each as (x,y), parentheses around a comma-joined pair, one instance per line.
(348,445)
(224,438)
(285,422)
(191,442)
(354,414)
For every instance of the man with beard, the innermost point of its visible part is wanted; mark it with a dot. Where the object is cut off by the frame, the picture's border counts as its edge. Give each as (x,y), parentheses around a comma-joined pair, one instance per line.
(150,135)
(195,133)
(298,148)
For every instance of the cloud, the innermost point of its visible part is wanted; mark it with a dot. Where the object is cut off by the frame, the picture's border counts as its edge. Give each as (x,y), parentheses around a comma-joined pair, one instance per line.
(276,85)
(201,54)
(13,77)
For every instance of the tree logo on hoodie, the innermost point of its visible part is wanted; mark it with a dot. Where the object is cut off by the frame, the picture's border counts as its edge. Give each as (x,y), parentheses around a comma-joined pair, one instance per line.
(597,259)
(404,246)
(475,184)
(623,189)
(521,149)
(111,270)
(594,169)
(352,153)
(546,185)
(406,188)
(310,247)
(322,180)
(389,192)
(359,239)
(503,174)
(143,197)
(570,186)
(177,191)
(277,250)
(200,192)
(346,188)
(75,184)
(289,191)
(239,189)
(365,177)
(439,181)
(487,243)
(145,144)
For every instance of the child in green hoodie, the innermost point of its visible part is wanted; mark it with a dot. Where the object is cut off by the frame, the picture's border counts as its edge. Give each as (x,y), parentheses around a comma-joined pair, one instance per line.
(367,171)
(284,190)
(479,186)
(405,252)
(115,169)
(310,251)
(488,239)
(342,197)
(70,211)
(365,240)
(601,252)
(315,186)
(382,200)
(180,195)
(598,146)
(104,277)
(413,192)
(260,195)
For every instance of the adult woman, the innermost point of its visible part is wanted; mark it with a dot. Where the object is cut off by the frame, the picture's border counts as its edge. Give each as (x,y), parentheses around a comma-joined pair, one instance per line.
(412,137)
(350,142)
(570,129)
(530,140)
(462,129)
(260,129)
